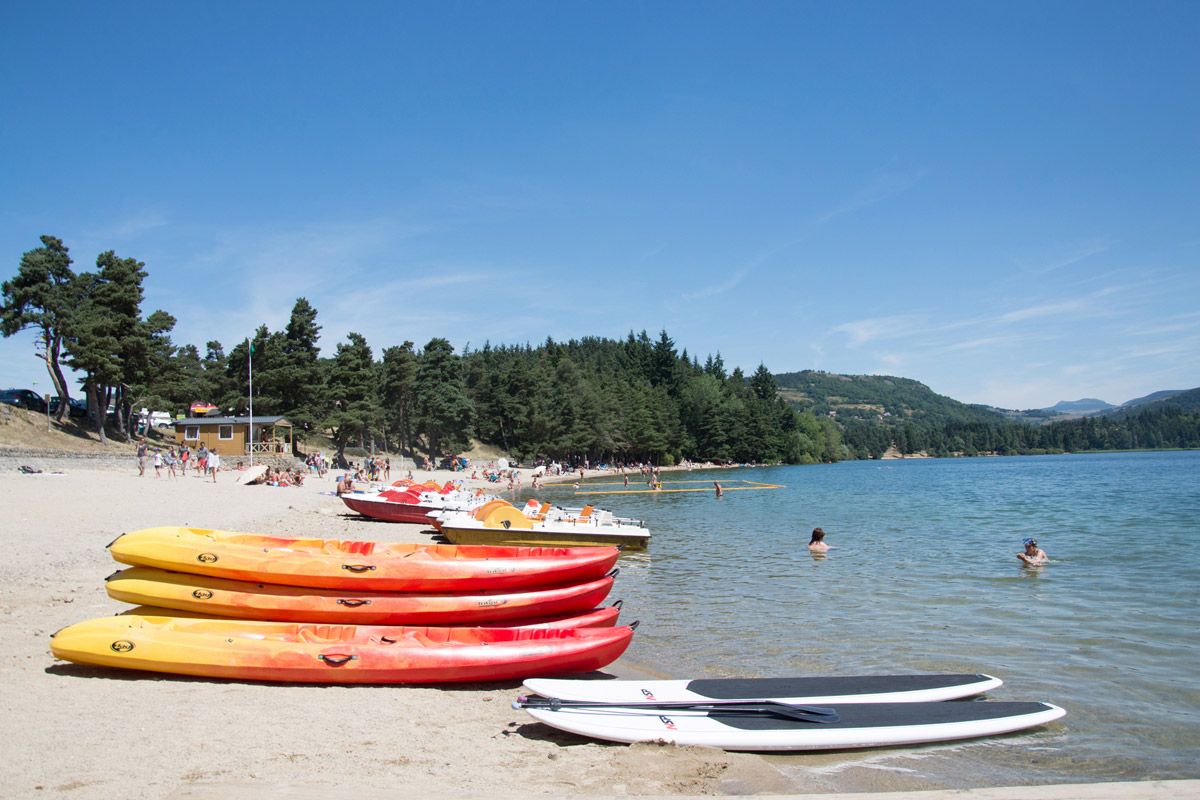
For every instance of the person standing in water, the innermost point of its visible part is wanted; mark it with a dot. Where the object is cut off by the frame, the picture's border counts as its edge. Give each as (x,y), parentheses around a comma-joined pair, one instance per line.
(817,543)
(1034,556)
(720,491)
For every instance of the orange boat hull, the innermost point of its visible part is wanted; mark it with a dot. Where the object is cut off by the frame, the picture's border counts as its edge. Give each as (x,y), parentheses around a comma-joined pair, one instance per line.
(303,653)
(359,566)
(220,597)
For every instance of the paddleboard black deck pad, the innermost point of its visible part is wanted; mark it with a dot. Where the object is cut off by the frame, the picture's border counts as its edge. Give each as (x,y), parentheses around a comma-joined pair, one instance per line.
(758,727)
(834,688)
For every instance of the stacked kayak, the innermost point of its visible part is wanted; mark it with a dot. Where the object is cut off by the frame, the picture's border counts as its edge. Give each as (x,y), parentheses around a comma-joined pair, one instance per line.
(783,714)
(251,607)
(334,564)
(268,601)
(316,653)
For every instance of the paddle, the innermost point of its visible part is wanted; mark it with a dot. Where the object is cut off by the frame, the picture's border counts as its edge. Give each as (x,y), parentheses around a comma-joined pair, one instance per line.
(818,714)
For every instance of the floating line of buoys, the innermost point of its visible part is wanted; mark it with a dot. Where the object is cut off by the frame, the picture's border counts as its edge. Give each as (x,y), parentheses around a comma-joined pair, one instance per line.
(728,486)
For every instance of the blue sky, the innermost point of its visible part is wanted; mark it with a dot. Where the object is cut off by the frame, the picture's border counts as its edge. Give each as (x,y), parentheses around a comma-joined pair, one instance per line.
(1001,200)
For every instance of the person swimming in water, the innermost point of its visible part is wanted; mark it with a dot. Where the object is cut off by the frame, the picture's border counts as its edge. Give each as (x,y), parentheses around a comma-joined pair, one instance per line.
(817,543)
(1033,555)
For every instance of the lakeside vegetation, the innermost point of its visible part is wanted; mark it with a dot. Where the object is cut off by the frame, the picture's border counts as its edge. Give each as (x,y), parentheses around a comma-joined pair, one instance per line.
(605,400)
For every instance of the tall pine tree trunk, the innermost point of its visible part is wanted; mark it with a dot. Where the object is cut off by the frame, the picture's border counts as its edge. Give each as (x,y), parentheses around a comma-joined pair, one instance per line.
(51,351)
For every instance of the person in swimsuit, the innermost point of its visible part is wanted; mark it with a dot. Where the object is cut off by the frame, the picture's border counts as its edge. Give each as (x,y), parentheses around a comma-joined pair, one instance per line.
(817,543)
(1033,556)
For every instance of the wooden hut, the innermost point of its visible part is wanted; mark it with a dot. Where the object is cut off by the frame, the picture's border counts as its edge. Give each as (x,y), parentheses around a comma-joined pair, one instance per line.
(232,436)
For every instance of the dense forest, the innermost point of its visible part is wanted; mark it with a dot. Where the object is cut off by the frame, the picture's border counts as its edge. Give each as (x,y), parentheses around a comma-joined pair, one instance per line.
(633,400)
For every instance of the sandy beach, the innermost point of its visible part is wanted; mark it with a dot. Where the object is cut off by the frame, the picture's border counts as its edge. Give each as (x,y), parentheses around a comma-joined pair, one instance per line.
(85,732)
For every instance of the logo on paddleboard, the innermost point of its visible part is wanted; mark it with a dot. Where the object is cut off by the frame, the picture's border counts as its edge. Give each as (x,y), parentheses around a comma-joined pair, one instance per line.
(490,603)
(202,594)
(121,646)
(667,721)
(649,695)
(207,558)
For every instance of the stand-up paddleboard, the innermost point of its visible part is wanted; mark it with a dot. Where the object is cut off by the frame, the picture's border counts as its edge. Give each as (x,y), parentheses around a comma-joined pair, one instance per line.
(810,690)
(772,726)
(252,474)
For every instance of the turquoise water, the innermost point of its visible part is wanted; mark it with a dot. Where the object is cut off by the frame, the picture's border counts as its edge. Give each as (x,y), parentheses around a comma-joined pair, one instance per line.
(923,577)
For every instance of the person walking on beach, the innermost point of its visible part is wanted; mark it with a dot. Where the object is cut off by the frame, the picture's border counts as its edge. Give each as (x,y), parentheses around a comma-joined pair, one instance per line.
(214,463)
(202,461)
(141,457)
(185,455)
(169,460)
(1034,556)
(157,463)
(817,543)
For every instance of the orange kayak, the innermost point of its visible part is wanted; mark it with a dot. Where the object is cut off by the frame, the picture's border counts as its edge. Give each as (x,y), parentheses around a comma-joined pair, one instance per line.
(359,566)
(604,617)
(221,597)
(316,653)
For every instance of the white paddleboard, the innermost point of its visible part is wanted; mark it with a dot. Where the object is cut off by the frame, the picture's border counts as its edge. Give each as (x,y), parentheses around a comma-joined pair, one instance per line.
(857,725)
(803,690)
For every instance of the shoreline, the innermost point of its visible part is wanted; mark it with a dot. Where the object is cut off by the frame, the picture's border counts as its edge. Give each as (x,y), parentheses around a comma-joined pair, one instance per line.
(91,729)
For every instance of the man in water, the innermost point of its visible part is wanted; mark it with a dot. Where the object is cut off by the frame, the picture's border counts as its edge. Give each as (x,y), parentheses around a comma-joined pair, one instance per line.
(1033,555)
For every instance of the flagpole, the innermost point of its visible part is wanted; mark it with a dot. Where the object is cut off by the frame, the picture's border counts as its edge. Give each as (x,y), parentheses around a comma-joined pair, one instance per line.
(250,367)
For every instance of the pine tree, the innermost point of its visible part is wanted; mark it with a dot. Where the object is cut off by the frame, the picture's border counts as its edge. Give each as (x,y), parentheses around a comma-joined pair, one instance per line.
(104,331)
(352,392)
(441,408)
(42,296)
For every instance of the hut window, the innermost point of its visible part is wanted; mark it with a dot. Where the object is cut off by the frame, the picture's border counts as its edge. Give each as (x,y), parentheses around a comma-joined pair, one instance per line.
(224,432)
(191,433)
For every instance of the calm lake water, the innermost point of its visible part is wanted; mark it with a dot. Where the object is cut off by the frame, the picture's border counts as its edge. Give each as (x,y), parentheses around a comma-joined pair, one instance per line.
(923,577)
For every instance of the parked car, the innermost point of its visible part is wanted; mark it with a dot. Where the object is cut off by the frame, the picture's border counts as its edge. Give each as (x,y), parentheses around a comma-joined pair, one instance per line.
(23,398)
(161,419)
(78,407)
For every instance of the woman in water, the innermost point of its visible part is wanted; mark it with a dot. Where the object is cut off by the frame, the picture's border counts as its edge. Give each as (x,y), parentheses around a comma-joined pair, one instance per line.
(817,543)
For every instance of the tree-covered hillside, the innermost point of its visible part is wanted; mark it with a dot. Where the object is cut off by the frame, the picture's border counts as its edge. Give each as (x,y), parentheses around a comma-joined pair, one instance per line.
(877,413)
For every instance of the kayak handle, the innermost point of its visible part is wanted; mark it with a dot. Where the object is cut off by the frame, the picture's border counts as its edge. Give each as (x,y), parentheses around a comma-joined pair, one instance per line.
(633,626)
(358,567)
(615,572)
(336,661)
(618,604)
(353,603)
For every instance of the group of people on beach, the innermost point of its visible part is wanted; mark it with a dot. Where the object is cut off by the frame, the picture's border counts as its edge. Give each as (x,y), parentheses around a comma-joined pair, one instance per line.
(206,462)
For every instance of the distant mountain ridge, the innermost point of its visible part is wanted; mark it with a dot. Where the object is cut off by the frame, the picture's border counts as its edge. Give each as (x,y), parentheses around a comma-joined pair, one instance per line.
(889,399)
(1086,405)
(879,416)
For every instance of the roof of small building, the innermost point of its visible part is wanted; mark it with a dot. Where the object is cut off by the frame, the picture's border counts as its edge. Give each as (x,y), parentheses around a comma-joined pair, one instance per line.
(272,420)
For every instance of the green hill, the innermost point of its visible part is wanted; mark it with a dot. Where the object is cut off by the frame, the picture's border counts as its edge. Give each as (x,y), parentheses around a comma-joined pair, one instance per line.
(881,399)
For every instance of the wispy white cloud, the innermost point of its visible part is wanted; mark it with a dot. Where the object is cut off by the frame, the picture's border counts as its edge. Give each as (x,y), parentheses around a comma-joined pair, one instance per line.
(863,331)
(883,187)
(719,288)
(1073,306)
(1063,256)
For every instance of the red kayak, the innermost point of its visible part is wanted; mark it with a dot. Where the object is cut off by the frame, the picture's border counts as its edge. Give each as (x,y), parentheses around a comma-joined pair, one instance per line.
(304,653)
(221,597)
(605,617)
(360,566)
